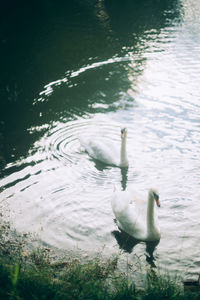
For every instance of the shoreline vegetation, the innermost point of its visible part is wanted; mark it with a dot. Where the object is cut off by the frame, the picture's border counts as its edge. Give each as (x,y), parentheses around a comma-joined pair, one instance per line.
(37,273)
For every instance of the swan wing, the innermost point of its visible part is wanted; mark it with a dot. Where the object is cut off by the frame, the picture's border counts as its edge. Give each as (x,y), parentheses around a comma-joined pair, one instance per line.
(133,223)
(101,150)
(136,197)
(127,216)
(119,202)
(134,218)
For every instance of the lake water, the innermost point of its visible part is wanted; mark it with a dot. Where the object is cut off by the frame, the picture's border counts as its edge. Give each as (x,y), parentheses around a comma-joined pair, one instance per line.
(87,70)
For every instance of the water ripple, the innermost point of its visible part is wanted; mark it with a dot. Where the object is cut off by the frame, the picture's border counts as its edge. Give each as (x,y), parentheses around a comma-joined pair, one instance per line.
(64,146)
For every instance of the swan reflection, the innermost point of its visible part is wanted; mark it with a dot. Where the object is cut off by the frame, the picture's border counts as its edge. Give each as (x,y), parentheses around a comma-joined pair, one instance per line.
(127,243)
(124,174)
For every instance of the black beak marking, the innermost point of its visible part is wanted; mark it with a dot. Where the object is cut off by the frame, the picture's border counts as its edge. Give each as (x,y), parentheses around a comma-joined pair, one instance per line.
(156,196)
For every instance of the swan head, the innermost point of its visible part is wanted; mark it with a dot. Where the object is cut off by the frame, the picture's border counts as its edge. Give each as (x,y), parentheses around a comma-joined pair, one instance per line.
(123,133)
(155,195)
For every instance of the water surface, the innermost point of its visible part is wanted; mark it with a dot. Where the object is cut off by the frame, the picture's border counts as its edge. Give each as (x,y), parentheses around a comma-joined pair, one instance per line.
(135,65)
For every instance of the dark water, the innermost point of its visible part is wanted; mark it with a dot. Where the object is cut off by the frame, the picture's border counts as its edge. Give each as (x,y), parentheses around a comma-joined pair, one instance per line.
(88,68)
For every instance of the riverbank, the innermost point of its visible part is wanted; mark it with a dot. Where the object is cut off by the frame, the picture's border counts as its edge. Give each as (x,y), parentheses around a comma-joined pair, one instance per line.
(32,271)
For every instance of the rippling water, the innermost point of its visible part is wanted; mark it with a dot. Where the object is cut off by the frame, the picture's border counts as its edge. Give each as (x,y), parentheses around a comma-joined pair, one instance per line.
(58,192)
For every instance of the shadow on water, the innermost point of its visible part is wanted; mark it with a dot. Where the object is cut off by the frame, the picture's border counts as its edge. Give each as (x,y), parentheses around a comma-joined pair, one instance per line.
(133,18)
(100,165)
(127,243)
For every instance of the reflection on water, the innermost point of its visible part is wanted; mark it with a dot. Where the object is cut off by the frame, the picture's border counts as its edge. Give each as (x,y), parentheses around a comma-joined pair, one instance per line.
(124,173)
(127,243)
(134,63)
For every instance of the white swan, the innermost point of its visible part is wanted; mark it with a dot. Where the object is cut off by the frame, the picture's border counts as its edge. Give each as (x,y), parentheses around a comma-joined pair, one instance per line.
(105,152)
(136,217)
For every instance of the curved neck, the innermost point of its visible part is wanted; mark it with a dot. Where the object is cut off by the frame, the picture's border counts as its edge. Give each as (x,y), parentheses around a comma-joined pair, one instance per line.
(150,213)
(123,157)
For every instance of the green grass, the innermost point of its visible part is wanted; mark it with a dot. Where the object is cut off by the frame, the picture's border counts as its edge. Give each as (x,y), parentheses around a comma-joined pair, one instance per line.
(38,279)
(37,275)
(72,281)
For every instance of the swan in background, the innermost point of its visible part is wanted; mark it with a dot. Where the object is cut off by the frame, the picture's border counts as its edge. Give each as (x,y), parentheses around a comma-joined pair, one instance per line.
(106,152)
(136,216)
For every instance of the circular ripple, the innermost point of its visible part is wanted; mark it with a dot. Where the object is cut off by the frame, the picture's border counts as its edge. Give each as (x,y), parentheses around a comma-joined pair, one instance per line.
(65,147)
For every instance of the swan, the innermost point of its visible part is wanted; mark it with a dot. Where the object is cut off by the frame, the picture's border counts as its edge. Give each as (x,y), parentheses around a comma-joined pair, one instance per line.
(136,216)
(105,152)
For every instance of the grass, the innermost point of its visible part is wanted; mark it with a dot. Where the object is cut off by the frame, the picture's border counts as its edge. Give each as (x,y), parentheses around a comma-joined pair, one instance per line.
(38,279)
(72,280)
(35,275)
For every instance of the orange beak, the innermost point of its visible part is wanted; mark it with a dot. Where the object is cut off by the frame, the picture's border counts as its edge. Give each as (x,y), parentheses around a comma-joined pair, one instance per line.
(158,202)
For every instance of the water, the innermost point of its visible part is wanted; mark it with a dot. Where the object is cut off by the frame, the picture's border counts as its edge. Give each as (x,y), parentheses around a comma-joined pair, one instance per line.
(134,65)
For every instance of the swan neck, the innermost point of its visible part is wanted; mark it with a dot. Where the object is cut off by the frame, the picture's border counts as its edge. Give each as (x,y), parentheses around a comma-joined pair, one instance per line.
(150,213)
(123,156)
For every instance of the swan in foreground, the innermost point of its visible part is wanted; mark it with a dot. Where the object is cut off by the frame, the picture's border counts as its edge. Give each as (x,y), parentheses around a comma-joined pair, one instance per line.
(105,152)
(136,216)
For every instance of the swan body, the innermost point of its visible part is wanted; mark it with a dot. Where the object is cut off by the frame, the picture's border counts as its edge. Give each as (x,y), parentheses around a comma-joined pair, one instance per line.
(135,216)
(105,151)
